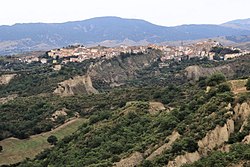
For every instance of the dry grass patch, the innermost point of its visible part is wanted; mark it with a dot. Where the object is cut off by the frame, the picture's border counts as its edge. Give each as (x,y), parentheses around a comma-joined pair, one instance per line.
(238,86)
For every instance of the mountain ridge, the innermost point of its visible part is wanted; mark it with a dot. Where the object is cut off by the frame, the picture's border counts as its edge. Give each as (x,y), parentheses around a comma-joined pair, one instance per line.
(243,24)
(97,30)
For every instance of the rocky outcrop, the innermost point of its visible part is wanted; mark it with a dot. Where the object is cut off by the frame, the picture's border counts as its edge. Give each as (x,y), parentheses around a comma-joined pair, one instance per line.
(106,73)
(132,161)
(213,139)
(5,79)
(171,139)
(76,85)
(58,113)
(195,72)
(225,148)
(242,112)
(216,137)
(246,139)
(184,159)
(156,107)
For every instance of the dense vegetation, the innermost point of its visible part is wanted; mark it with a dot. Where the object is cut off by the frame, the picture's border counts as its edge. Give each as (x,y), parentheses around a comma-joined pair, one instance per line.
(113,134)
(120,120)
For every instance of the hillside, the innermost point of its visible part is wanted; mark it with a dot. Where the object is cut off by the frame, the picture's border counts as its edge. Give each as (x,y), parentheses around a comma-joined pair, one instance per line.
(137,111)
(20,38)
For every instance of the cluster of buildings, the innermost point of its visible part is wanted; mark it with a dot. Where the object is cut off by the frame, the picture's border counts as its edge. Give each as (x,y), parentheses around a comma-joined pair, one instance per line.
(79,53)
(30,59)
(200,50)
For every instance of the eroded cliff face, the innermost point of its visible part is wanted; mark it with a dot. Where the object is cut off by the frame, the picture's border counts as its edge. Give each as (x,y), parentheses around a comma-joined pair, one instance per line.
(76,85)
(136,158)
(184,159)
(172,138)
(217,137)
(106,73)
(195,72)
(116,71)
(132,161)
(5,79)
(242,112)
(213,139)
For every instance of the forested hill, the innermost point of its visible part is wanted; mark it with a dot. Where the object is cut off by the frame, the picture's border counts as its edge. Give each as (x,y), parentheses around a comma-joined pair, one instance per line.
(134,110)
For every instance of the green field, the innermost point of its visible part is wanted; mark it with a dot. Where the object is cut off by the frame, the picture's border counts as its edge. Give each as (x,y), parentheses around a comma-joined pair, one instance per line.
(16,150)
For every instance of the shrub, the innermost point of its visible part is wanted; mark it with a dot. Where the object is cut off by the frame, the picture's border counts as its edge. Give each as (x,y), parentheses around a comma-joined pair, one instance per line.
(115,158)
(186,144)
(223,88)
(248,84)
(202,82)
(168,123)
(115,148)
(242,99)
(52,139)
(216,79)
(147,163)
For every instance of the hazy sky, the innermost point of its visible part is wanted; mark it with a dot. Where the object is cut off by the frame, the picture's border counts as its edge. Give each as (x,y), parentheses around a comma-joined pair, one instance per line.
(161,12)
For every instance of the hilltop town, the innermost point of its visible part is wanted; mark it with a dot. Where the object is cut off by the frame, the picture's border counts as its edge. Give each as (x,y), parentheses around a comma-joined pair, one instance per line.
(210,49)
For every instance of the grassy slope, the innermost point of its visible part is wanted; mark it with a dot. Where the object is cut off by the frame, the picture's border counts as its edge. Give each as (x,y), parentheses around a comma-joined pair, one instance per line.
(238,86)
(16,150)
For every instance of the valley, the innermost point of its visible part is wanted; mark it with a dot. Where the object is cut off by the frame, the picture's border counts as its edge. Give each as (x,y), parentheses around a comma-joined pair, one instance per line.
(134,109)
(125,83)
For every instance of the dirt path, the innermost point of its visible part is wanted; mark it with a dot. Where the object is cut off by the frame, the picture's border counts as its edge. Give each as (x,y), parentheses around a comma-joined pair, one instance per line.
(56,129)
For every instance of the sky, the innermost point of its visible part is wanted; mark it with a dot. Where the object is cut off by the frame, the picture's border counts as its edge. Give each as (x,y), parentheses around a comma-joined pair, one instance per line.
(160,12)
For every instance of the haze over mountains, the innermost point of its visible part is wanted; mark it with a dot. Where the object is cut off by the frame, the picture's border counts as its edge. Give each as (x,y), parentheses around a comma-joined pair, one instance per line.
(243,24)
(43,36)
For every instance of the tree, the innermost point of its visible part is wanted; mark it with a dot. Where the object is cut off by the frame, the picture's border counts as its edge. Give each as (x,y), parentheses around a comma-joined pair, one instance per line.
(168,123)
(186,144)
(224,88)
(147,163)
(216,79)
(115,148)
(248,84)
(52,139)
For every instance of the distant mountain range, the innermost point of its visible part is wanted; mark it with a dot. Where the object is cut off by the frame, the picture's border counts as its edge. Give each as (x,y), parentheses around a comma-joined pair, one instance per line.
(243,24)
(113,30)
